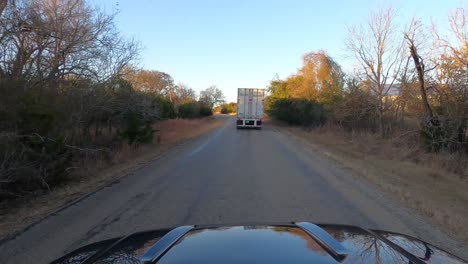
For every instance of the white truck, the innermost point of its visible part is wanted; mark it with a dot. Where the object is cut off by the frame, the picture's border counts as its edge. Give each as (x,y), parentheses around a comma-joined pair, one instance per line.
(250,107)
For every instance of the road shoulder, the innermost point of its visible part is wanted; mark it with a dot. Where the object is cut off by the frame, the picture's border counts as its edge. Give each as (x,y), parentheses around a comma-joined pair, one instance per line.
(441,200)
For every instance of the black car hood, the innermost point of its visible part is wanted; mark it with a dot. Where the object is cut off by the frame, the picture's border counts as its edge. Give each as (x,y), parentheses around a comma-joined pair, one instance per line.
(278,243)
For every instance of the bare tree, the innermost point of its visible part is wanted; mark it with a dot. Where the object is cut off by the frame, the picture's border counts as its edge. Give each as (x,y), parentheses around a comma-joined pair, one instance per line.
(183,94)
(212,96)
(452,80)
(456,44)
(410,36)
(378,48)
(453,51)
(48,39)
(444,126)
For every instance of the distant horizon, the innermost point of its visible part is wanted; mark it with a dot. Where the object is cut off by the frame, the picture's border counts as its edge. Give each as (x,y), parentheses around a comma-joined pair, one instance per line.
(246,44)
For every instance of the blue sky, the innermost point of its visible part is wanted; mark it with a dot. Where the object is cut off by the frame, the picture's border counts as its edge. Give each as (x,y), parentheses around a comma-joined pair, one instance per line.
(244,43)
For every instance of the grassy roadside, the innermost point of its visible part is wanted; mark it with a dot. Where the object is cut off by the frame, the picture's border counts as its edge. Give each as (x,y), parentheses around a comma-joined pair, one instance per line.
(18,214)
(422,185)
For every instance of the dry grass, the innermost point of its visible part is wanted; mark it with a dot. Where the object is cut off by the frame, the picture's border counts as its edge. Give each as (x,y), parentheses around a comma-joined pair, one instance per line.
(16,215)
(434,184)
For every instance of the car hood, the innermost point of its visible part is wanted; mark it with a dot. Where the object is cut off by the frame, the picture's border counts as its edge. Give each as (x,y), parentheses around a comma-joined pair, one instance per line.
(272,243)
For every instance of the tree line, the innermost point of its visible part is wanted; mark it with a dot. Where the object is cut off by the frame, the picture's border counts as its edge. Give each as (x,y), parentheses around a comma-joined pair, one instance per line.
(406,80)
(71,93)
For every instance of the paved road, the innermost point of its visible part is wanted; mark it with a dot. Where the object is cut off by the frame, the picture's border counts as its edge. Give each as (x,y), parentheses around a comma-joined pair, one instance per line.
(225,176)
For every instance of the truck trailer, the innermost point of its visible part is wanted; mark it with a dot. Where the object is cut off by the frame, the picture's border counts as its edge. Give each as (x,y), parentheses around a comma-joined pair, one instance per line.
(250,107)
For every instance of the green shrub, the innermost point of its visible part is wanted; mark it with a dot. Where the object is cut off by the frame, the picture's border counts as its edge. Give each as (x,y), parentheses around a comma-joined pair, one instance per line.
(35,116)
(136,129)
(194,109)
(443,133)
(297,111)
(166,107)
(189,110)
(205,110)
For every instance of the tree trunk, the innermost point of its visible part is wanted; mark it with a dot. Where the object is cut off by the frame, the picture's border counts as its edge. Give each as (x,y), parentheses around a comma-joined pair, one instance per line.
(380,112)
(420,69)
(381,124)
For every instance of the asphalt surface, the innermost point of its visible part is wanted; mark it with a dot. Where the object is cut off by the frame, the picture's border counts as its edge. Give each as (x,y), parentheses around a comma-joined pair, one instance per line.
(225,176)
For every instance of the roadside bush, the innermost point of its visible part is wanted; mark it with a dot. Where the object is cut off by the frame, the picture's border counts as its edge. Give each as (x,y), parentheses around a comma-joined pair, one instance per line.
(166,108)
(136,129)
(297,111)
(205,110)
(357,111)
(224,110)
(30,163)
(194,109)
(445,134)
(35,116)
(46,128)
(189,110)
